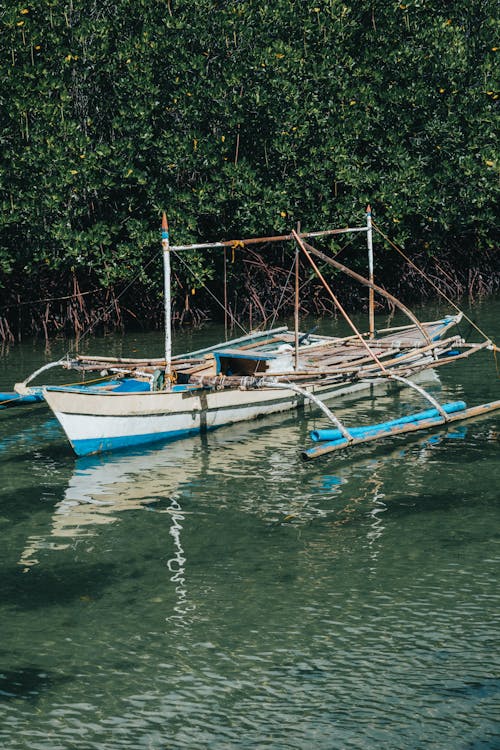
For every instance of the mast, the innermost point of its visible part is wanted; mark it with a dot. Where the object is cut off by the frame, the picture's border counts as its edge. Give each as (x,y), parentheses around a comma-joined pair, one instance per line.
(369,239)
(167,296)
(296,306)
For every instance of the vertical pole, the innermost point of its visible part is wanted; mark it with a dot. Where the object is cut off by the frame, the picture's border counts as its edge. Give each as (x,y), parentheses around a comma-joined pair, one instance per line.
(296,315)
(167,297)
(371,303)
(225,294)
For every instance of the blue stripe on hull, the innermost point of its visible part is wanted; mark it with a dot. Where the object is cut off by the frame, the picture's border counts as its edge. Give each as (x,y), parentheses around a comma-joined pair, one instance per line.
(99,445)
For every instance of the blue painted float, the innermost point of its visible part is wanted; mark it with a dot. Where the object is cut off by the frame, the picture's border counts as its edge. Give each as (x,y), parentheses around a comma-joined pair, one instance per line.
(458,412)
(15,399)
(360,432)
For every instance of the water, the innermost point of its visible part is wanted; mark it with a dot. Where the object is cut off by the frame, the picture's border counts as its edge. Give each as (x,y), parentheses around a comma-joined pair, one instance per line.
(219,593)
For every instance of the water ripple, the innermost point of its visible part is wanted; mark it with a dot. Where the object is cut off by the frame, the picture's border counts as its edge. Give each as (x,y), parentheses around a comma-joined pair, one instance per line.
(218,593)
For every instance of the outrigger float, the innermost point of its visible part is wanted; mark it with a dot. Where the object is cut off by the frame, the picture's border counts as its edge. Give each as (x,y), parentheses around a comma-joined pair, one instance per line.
(139,401)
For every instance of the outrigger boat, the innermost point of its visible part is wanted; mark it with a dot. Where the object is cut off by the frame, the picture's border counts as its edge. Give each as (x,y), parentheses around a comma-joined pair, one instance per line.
(167,398)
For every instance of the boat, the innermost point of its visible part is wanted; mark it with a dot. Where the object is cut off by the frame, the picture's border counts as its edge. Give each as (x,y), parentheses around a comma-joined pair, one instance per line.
(167,398)
(240,383)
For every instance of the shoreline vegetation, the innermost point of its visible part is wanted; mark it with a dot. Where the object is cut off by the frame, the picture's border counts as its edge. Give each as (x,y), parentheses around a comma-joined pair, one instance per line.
(240,119)
(264,291)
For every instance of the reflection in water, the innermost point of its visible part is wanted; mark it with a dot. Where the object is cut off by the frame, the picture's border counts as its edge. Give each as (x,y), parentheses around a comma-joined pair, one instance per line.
(102,488)
(293,587)
(26,682)
(176,566)
(376,528)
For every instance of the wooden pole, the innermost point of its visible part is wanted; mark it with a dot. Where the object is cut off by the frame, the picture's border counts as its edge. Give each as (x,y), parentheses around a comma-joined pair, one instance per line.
(264,240)
(167,296)
(337,304)
(371,293)
(471,413)
(361,279)
(225,294)
(296,315)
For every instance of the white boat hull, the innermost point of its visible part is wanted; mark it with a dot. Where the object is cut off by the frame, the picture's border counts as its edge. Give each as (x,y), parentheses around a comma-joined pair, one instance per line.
(101,422)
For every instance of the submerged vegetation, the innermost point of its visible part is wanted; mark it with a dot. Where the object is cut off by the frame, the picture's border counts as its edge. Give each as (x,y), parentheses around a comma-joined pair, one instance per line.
(239,118)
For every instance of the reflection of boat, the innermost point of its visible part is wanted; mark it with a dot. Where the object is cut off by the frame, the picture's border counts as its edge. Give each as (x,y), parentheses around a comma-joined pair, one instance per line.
(99,491)
(102,490)
(102,487)
(188,476)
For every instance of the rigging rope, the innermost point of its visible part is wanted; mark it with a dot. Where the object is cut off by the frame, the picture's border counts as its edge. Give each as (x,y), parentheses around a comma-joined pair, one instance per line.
(110,306)
(434,286)
(285,287)
(337,303)
(198,278)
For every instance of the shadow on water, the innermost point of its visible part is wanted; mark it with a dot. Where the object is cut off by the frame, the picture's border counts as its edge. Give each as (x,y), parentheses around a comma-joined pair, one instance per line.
(19,505)
(395,509)
(475,690)
(59,450)
(16,415)
(401,446)
(27,683)
(486,744)
(30,431)
(40,588)
(400,506)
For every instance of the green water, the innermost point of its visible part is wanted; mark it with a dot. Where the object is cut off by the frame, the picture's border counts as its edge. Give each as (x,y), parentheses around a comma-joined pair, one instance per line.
(219,593)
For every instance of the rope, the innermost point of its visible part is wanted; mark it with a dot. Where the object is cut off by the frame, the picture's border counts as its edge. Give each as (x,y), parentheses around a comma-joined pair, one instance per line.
(337,303)
(285,286)
(172,377)
(495,350)
(10,400)
(306,283)
(434,286)
(83,294)
(110,307)
(49,299)
(86,382)
(197,277)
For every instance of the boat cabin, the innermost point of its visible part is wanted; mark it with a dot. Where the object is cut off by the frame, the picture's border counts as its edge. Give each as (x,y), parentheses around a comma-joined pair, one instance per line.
(241,362)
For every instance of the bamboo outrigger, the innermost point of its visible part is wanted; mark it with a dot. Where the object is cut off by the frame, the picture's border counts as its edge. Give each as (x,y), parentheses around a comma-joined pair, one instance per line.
(412,423)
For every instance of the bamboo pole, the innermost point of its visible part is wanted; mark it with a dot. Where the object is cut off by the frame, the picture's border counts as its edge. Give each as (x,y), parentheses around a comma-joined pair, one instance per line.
(401,356)
(366,282)
(296,305)
(347,362)
(371,301)
(166,280)
(264,240)
(462,355)
(263,335)
(335,300)
(225,295)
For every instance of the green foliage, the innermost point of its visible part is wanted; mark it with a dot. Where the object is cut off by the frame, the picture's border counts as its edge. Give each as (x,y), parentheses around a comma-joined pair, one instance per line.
(239,118)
